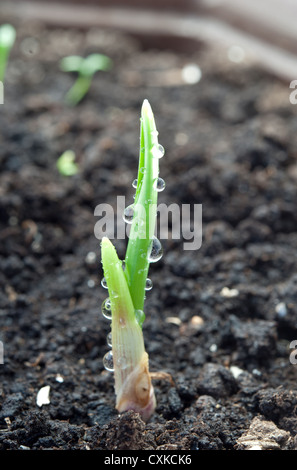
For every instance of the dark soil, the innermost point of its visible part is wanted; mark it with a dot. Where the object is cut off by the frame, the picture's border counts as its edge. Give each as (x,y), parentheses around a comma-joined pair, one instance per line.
(219,319)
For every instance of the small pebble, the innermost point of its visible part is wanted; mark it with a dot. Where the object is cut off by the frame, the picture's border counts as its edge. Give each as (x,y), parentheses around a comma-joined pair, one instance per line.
(43,396)
(236,371)
(174,401)
(281,309)
(229,293)
(91,257)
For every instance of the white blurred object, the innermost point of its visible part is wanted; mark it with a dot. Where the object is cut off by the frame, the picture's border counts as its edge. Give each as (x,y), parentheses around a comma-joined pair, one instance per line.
(191,74)
(236,54)
(43,396)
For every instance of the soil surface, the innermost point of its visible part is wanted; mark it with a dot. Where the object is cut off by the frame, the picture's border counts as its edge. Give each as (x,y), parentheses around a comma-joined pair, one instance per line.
(219,320)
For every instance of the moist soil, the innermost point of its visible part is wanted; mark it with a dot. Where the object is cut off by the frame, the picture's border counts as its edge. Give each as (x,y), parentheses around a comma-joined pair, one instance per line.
(219,320)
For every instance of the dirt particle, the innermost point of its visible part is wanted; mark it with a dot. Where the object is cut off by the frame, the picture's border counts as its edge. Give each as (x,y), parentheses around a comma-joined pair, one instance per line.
(263,435)
(216,381)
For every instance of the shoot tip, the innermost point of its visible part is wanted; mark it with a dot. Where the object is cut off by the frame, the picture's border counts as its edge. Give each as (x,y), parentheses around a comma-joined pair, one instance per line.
(146,109)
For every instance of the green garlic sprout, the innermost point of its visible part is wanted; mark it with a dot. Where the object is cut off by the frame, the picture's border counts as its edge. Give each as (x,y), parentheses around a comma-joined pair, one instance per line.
(7,39)
(128,283)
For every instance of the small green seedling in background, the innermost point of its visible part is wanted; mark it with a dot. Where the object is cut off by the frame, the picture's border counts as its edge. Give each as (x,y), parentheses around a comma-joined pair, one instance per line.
(86,68)
(7,39)
(127,283)
(66,163)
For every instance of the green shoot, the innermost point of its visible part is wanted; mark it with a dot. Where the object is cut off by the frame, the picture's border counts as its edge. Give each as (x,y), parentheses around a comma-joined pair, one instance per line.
(86,68)
(128,358)
(7,38)
(66,163)
(143,247)
(127,286)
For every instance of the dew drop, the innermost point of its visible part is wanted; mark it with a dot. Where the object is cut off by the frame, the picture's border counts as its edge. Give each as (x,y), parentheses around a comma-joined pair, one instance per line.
(148,284)
(122,362)
(159,184)
(140,316)
(108,361)
(122,322)
(158,151)
(107,303)
(104,283)
(156,251)
(134,184)
(109,339)
(106,309)
(161,150)
(128,214)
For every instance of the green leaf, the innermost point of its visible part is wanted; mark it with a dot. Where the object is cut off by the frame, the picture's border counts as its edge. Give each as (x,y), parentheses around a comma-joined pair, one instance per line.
(145,209)
(119,294)
(85,66)
(71,63)
(7,38)
(132,380)
(66,165)
(94,63)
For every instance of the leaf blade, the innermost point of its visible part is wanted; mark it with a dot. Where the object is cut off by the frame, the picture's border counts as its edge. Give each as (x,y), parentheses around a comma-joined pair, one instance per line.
(145,213)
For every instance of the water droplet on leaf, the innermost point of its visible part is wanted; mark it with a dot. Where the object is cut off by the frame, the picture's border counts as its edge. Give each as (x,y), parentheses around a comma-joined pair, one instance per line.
(161,150)
(159,184)
(134,184)
(128,214)
(122,362)
(158,151)
(156,251)
(109,339)
(104,283)
(106,309)
(122,322)
(108,361)
(148,284)
(140,316)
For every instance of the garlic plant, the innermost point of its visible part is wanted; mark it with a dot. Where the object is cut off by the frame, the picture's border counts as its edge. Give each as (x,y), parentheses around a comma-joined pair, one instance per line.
(127,286)
(7,39)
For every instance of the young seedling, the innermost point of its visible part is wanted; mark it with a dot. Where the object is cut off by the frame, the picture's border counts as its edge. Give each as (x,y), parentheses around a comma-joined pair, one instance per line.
(66,163)
(7,38)
(86,68)
(127,283)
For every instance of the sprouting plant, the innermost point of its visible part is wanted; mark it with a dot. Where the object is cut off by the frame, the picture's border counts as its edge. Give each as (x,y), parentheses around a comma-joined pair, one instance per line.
(86,68)
(127,282)
(66,163)
(7,38)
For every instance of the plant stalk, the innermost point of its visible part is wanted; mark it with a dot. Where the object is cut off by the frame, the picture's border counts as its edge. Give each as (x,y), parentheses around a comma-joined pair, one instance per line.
(133,387)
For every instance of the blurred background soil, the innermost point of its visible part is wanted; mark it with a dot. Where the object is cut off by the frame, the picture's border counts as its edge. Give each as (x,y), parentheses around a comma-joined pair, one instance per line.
(220,319)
